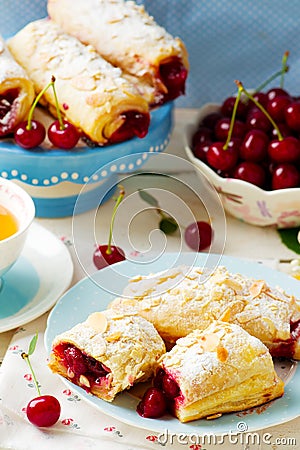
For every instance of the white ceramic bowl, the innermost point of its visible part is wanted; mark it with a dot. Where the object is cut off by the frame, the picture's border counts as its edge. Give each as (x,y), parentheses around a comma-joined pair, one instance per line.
(245,201)
(20,204)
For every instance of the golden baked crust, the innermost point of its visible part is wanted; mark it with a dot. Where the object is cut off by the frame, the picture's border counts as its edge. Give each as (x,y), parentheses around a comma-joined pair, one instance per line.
(92,94)
(220,370)
(124,34)
(15,84)
(177,302)
(127,347)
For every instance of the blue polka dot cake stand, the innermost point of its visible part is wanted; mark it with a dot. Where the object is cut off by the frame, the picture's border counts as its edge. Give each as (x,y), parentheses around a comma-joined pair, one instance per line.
(54,178)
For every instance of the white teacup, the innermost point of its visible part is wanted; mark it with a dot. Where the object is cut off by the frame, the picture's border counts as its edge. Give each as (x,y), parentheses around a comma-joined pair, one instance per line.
(15,200)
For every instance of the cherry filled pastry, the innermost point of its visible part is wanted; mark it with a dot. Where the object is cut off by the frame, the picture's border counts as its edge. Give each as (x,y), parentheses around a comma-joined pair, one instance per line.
(219,370)
(178,301)
(107,353)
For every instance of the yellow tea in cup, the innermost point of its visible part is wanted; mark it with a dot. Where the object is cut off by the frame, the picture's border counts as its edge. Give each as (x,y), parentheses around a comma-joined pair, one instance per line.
(8,223)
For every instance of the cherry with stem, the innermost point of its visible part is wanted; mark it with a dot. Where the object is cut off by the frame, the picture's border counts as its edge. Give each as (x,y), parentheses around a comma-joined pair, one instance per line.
(106,255)
(31,133)
(44,410)
(62,133)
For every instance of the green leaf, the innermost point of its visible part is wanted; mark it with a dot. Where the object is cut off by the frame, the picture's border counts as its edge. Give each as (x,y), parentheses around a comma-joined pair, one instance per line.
(32,344)
(168,225)
(148,198)
(289,237)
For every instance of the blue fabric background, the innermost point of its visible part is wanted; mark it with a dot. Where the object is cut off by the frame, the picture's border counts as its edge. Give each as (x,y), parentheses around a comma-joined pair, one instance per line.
(226,40)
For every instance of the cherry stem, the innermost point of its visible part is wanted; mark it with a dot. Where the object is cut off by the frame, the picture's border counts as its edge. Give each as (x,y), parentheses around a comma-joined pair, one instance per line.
(118,201)
(37,99)
(279,73)
(27,359)
(241,87)
(284,67)
(225,147)
(59,117)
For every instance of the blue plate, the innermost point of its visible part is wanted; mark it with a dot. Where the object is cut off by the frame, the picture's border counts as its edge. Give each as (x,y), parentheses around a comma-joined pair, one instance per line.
(89,295)
(38,278)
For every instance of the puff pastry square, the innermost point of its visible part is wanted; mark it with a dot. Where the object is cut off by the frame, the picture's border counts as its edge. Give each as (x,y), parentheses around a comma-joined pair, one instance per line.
(16,92)
(177,302)
(128,37)
(107,353)
(219,370)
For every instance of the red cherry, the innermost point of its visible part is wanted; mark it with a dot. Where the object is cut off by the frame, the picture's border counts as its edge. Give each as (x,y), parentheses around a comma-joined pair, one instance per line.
(258,120)
(276,92)
(211,120)
(103,259)
(222,129)
(284,130)
(221,159)
(170,387)
(203,134)
(286,150)
(276,107)
(43,411)
(251,172)
(200,150)
(198,235)
(285,176)
(153,404)
(228,105)
(292,116)
(261,98)
(30,138)
(65,138)
(254,146)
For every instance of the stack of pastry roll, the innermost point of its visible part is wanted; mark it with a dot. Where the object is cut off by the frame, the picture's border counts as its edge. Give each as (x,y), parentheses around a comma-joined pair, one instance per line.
(107,353)
(219,370)
(16,92)
(127,36)
(179,300)
(92,94)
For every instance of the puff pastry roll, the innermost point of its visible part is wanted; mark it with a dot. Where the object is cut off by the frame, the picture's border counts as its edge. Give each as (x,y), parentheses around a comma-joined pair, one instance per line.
(219,370)
(177,302)
(92,94)
(127,36)
(107,353)
(16,92)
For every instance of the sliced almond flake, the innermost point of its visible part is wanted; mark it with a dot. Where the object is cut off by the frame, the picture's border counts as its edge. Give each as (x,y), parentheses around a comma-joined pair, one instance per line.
(233,284)
(274,297)
(70,373)
(256,288)
(225,317)
(98,321)
(83,83)
(113,337)
(222,353)
(270,324)
(130,301)
(83,380)
(210,342)
(167,277)
(214,416)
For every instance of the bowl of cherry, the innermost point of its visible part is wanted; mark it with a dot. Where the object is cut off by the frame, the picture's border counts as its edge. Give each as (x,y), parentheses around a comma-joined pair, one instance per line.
(248,148)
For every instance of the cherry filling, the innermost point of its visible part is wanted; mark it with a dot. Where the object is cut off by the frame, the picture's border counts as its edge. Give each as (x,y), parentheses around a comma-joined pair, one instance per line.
(286,349)
(173,74)
(135,124)
(8,110)
(80,365)
(159,398)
